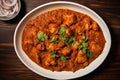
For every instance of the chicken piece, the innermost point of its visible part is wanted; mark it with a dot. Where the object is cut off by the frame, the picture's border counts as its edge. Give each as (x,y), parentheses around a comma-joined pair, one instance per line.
(69,19)
(80,53)
(53,28)
(95,26)
(40,46)
(59,45)
(63,25)
(30,36)
(68,31)
(33,31)
(52,46)
(34,55)
(81,58)
(47,43)
(56,18)
(86,19)
(96,49)
(65,51)
(97,37)
(27,44)
(73,27)
(49,61)
(75,45)
(87,27)
(61,65)
(79,30)
(30,32)
(85,64)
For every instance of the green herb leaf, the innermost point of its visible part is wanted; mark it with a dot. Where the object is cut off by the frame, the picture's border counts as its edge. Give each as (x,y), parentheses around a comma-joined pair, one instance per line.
(84,44)
(41,36)
(63,59)
(84,39)
(68,40)
(89,53)
(84,47)
(84,50)
(80,46)
(45,36)
(62,31)
(54,39)
(53,54)
(71,40)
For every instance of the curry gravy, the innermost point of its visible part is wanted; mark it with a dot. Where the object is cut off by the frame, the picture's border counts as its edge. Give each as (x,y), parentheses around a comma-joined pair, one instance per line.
(62,40)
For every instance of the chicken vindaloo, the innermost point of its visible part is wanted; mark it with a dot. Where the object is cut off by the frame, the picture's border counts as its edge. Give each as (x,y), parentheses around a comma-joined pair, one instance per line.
(62,40)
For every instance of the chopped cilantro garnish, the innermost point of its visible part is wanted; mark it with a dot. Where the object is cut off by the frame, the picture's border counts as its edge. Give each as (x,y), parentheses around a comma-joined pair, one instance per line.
(84,39)
(53,54)
(89,53)
(54,40)
(84,50)
(62,31)
(84,47)
(63,59)
(41,36)
(68,40)
(80,46)
(84,44)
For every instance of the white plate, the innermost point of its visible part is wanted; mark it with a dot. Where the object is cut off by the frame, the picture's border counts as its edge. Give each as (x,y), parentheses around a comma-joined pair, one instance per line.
(64,74)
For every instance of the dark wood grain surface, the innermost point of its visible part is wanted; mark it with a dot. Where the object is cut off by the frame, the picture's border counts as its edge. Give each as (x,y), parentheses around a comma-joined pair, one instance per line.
(11,68)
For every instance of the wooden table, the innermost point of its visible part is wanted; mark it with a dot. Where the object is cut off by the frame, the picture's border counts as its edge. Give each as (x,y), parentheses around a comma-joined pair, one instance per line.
(11,68)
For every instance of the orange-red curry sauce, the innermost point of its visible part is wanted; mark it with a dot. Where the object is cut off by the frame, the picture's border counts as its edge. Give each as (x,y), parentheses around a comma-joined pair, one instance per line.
(62,40)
